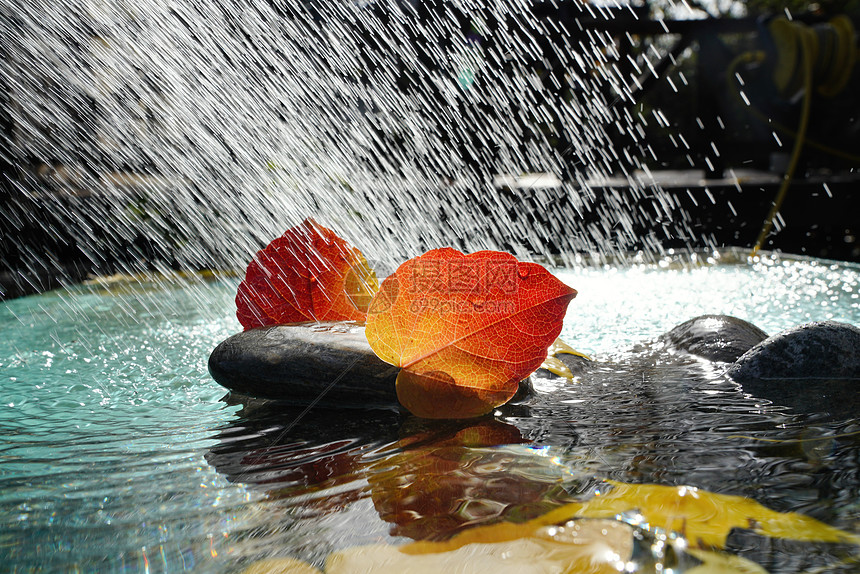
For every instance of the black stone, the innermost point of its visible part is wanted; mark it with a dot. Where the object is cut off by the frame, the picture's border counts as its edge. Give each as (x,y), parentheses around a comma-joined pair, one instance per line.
(330,364)
(810,368)
(714,337)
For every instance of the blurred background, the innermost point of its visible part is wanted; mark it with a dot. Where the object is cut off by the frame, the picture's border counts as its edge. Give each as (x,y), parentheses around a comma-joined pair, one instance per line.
(143,137)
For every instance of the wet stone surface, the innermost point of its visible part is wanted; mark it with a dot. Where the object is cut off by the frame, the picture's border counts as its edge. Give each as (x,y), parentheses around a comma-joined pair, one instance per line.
(714,337)
(329,364)
(824,349)
(810,368)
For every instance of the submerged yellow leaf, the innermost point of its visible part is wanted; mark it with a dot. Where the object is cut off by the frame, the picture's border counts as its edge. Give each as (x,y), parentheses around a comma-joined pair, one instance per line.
(584,546)
(579,547)
(703,517)
(555,365)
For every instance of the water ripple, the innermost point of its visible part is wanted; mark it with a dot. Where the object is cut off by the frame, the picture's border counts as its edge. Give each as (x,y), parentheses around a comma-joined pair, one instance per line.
(113,461)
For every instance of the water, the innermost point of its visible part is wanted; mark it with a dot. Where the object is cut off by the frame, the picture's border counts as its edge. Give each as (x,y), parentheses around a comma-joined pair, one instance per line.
(187,135)
(119,454)
(624,305)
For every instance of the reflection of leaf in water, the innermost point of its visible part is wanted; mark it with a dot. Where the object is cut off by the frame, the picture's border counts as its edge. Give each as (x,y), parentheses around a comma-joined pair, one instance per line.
(301,458)
(302,471)
(441,483)
(428,483)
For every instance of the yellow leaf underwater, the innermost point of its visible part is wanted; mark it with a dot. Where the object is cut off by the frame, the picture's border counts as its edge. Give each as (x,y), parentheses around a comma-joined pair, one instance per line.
(584,547)
(703,518)
(555,365)
(586,537)
(579,547)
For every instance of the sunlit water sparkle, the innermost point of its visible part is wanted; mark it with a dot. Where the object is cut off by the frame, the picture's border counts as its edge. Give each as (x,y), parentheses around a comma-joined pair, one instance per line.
(118,453)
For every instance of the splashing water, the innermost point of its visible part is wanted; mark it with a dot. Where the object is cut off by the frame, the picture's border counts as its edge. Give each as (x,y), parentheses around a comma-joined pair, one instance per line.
(191,133)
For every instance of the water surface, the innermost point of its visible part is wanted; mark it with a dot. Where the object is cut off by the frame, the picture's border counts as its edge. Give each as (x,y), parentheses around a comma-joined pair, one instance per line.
(119,452)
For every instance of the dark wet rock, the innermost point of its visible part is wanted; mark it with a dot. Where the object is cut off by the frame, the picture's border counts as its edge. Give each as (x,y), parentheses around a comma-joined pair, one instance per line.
(525,392)
(821,350)
(811,368)
(329,364)
(577,364)
(714,337)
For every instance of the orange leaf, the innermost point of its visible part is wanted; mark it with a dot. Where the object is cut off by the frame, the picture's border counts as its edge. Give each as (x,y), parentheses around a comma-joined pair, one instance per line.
(465,328)
(307,274)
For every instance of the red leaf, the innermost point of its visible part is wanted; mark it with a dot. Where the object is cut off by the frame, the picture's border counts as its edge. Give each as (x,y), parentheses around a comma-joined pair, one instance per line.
(307,274)
(465,328)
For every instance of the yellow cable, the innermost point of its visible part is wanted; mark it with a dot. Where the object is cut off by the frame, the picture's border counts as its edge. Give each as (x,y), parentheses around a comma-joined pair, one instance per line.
(807,48)
(758,56)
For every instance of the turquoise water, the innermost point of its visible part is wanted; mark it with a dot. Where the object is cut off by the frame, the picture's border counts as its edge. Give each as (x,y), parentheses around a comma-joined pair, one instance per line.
(107,409)
(118,454)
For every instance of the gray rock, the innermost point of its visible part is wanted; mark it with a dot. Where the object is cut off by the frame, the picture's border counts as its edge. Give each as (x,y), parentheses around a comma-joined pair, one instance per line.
(330,364)
(326,363)
(811,368)
(825,349)
(714,337)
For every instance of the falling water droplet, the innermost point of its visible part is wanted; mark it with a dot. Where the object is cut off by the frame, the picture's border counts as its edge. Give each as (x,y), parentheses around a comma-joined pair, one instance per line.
(186,131)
